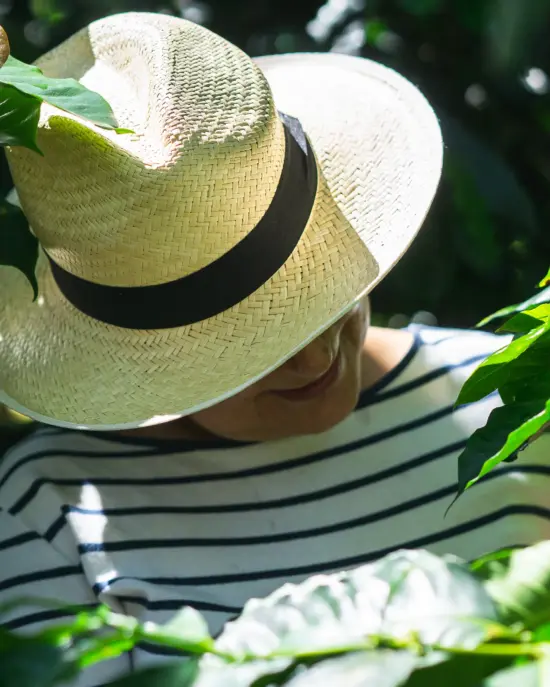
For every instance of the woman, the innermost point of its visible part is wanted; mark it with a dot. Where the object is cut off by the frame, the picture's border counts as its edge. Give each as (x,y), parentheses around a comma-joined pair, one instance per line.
(226,418)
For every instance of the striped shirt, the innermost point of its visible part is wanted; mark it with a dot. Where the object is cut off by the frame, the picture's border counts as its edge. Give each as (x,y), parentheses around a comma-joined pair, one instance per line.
(147,526)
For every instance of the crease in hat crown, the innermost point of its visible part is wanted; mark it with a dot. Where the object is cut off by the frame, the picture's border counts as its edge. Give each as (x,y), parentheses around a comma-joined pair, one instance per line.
(195,178)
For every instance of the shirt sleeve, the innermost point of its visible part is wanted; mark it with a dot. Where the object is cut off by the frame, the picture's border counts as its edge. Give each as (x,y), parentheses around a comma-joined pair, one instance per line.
(31,568)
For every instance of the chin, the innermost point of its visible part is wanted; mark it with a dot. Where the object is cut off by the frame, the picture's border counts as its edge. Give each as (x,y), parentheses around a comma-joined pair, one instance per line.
(323,419)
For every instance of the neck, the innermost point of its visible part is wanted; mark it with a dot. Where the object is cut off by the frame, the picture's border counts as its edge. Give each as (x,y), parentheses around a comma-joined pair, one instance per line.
(384,349)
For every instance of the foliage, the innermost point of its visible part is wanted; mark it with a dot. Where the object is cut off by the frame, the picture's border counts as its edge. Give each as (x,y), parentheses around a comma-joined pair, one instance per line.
(23,89)
(410,618)
(519,372)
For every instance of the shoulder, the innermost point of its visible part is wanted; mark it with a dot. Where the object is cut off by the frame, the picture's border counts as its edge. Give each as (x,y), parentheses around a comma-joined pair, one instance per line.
(456,351)
(39,474)
(458,342)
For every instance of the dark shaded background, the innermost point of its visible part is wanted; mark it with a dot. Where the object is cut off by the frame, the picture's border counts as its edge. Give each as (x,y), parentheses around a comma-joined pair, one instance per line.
(484,65)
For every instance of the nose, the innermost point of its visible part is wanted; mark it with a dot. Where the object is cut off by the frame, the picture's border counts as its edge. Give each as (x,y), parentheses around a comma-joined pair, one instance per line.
(316,358)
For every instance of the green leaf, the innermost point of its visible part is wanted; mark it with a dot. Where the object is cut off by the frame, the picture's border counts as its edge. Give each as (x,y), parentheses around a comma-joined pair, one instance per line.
(19,116)
(542,633)
(493,371)
(66,94)
(545,281)
(536,674)
(506,431)
(18,246)
(520,586)
(523,322)
(187,631)
(541,297)
(491,564)
(28,662)
(181,674)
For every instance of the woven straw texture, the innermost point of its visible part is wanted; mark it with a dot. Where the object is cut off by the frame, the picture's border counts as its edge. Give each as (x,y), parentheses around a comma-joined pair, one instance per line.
(194,179)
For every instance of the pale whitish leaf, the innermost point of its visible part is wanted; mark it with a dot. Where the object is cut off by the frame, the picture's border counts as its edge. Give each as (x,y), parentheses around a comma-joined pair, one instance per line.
(217,673)
(186,624)
(382,668)
(66,94)
(382,598)
(536,674)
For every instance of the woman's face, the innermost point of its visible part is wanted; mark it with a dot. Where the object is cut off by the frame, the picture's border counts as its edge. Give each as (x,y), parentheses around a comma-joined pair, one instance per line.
(314,390)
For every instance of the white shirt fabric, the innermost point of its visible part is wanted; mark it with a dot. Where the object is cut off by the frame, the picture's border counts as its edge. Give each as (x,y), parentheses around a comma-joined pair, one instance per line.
(149,526)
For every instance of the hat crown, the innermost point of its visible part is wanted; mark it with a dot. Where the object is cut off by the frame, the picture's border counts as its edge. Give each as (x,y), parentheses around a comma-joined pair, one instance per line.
(195,178)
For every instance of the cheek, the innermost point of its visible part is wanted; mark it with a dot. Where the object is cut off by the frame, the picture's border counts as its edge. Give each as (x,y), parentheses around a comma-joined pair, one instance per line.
(228,417)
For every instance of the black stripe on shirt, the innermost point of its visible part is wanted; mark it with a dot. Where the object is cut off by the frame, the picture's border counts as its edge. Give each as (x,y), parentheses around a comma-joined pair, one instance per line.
(18,540)
(297,500)
(58,453)
(43,616)
(342,563)
(174,604)
(202,542)
(137,544)
(279,466)
(419,381)
(40,575)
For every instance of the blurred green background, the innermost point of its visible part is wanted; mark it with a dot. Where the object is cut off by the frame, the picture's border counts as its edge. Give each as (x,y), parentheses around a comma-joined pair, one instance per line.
(484,65)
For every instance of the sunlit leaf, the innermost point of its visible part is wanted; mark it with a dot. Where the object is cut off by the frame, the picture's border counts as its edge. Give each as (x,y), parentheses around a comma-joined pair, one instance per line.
(377,599)
(545,281)
(187,630)
(541,297)
(493,371)
(536,674)
(523,322)
(506,431)
(364,669)
(19,116)
(66,94)
(18,246)
(520,586)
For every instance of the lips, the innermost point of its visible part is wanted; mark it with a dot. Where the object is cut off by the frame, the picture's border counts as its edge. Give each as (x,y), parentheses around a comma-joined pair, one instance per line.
(316,388)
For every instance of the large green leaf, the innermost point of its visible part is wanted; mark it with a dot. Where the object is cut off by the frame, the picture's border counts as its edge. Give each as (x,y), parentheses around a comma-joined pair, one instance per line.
(19,116)
(66,94)
(520,586)
(506,431)
(29,662)
(494,371)
(18,246)
(523,322)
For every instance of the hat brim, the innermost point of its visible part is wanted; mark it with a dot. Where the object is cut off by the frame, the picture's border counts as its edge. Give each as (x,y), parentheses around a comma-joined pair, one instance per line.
(379,151)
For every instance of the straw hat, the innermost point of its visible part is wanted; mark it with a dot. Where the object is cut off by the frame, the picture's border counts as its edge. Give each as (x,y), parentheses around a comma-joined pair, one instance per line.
(256,202)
